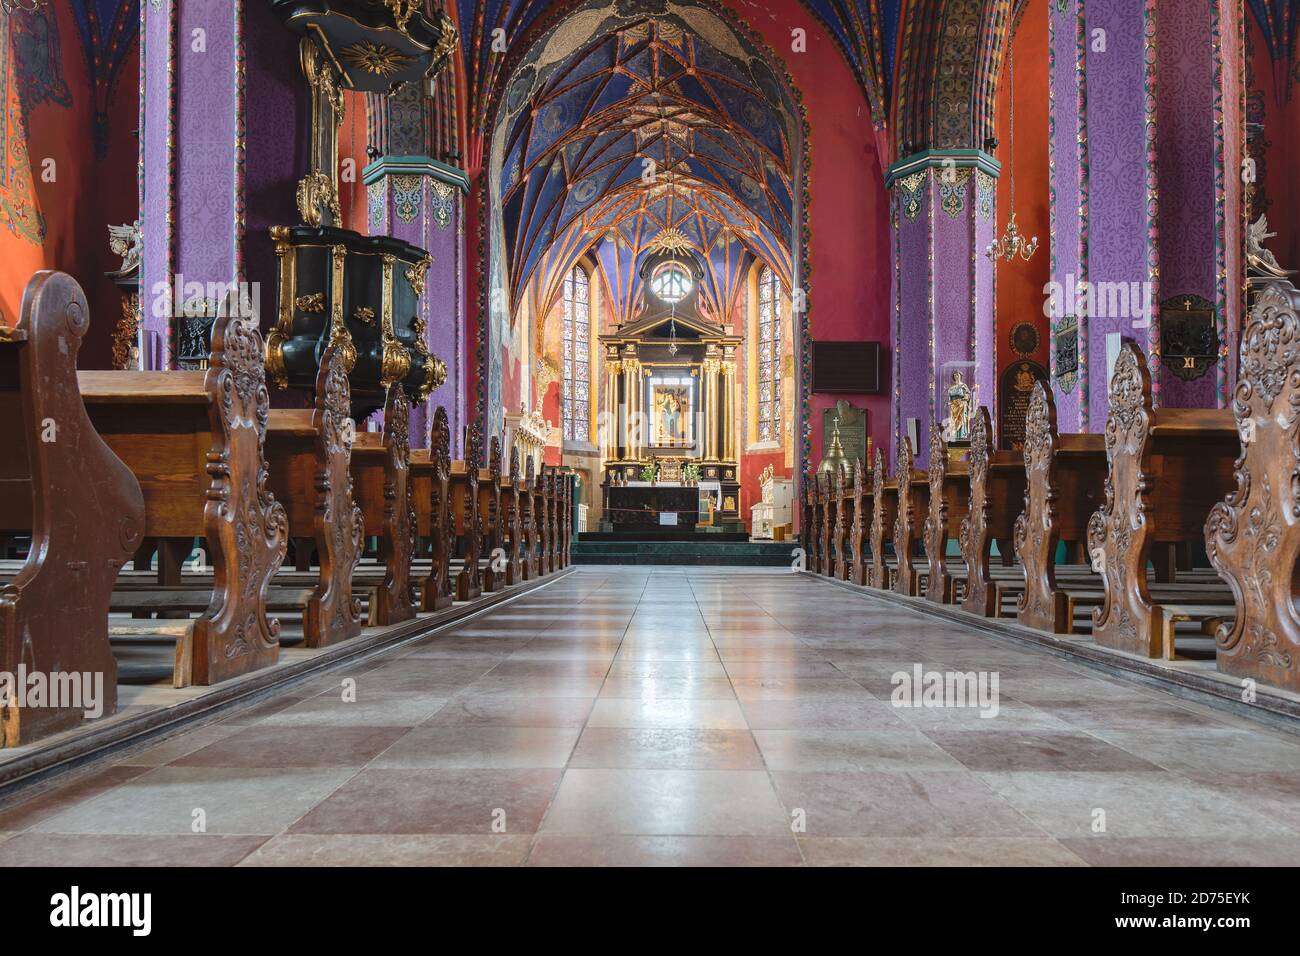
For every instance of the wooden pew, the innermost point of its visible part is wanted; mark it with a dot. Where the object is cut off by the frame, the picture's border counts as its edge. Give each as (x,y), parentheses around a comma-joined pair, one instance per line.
(433,486)
(531,567)
(514,519)
(913,501)
(489,507)
(194,441)
(465,477)
(1065,477)
(861,526)
(557,493)
(1167,469)
(808,521)
(566,522)
(884,507)
(997,493)
(840,532)
(82,506)
(812,528)
(542,500)
(381,472)
(1253,535)
(948,502)
(825,511)
(308,452)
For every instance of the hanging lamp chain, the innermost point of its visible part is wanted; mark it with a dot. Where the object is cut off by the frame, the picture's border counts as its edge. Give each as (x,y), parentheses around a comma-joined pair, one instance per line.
(1012,243)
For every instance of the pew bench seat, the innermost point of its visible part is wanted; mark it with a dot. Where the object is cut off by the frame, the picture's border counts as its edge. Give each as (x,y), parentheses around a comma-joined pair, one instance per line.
(1208,617)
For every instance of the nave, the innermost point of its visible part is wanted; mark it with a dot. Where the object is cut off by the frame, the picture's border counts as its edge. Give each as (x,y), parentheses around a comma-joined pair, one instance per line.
(664,716)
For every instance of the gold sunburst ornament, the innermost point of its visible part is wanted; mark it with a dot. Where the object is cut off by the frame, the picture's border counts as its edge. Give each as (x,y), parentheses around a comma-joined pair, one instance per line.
(376,58)
(671,239)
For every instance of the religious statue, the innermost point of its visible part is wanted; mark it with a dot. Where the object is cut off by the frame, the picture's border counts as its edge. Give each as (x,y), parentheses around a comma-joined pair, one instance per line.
(1258,258)
(960,401)
(126,241)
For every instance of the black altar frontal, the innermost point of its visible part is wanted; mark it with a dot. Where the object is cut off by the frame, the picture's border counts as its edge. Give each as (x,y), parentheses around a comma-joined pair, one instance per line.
(641,508)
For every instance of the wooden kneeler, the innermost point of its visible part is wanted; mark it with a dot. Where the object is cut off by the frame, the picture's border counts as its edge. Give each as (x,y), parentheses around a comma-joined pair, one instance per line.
(82,505)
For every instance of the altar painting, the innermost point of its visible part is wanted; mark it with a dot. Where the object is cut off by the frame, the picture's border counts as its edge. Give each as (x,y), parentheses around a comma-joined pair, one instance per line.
(672,415)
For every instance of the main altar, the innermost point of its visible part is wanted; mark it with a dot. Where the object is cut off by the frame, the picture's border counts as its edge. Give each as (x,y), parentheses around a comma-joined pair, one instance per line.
(670,396)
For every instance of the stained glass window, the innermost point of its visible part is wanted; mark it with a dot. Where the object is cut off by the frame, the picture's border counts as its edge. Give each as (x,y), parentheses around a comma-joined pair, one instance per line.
(577,345)
(768,357)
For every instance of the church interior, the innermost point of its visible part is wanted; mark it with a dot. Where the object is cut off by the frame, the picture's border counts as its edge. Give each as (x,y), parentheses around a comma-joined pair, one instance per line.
(649,433)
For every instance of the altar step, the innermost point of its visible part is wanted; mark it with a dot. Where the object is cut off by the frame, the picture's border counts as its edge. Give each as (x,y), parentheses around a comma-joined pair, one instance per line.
(769,554)
(712,535)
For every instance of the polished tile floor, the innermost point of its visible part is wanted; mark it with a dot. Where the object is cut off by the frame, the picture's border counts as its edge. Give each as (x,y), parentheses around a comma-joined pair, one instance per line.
(688,716)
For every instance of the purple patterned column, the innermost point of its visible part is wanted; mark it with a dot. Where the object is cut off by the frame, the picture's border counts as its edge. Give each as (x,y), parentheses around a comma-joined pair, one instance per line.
(1146,140)
(206,158)
(422,201)
(1188,168)
(943,220)
(1067,145)
(1122,213)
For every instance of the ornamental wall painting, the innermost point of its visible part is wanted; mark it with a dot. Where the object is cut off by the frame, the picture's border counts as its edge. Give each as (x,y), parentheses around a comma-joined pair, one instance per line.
(30,75)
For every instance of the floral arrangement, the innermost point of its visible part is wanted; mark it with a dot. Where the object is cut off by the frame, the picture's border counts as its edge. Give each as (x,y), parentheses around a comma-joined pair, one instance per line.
(648,473)
(691,473)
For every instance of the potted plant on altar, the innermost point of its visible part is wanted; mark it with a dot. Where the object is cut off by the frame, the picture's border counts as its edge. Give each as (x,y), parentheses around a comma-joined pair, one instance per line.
(691,474)
(648,473)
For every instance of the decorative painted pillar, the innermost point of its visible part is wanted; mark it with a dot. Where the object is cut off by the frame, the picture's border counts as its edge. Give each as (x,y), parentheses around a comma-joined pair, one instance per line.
(710,443)
(206,148)
(729,404)
(632,403)
(942,219)
(1147,137)
(422,201)
(611,429)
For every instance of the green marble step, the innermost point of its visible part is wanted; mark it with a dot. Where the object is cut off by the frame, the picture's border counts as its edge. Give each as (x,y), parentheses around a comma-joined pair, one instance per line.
(746,553)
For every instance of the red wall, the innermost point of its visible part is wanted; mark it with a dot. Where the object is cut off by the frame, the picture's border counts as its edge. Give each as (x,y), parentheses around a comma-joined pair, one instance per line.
(848,269)
(1020,284)
(1282,136)
(87,195)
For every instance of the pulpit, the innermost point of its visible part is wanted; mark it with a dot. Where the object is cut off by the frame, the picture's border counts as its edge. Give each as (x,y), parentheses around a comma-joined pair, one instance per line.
(776,506)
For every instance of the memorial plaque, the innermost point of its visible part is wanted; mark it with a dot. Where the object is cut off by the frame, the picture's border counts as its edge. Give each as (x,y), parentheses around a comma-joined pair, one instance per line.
(1189,336)
(1067,347)
(853,429)
(1014,390)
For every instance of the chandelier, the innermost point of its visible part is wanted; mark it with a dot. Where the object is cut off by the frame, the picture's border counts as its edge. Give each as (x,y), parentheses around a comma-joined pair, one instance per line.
(674,240)
(1012,243)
